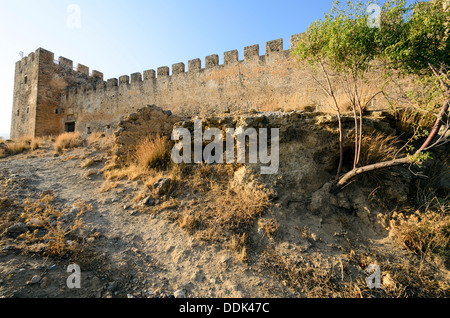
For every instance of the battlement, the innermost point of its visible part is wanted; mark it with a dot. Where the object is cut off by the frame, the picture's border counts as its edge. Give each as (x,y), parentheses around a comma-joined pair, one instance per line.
(252,78)
(45,56)
(150,80)
(211,62)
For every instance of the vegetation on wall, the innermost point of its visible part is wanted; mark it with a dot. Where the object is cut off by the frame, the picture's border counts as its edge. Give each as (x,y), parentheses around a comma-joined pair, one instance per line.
(411,40)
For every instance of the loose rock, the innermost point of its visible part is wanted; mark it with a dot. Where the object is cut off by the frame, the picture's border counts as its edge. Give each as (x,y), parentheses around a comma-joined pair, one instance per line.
(162,186)
(180,294)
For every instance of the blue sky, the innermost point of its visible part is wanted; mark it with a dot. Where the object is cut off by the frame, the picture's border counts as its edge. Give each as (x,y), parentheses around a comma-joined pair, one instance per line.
(123,37)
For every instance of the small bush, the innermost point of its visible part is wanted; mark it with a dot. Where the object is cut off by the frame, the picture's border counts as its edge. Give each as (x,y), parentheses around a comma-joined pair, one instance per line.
(226,212)
(425,234)
(43,215)
(68,141)
(100,141)
(18,146)
(377,147)
(35,143)
(153,153)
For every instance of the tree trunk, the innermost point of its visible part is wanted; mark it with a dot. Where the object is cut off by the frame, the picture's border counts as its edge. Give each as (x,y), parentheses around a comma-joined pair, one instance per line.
(396,162)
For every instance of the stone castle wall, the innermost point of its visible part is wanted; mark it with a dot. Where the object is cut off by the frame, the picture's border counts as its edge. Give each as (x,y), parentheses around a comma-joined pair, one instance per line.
(64,95)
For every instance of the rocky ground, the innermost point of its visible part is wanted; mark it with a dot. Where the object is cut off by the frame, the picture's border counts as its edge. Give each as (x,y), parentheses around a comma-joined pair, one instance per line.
(124,252)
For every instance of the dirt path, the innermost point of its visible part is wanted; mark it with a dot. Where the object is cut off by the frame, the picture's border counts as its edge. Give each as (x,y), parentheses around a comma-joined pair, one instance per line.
(147,256)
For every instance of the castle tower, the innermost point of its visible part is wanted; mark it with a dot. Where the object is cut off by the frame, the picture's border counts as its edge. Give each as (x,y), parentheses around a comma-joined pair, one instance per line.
(23,119)
(39,84)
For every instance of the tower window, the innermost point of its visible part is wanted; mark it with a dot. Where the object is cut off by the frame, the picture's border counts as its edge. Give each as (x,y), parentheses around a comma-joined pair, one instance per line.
(25,79)
(56,111)
(70,127)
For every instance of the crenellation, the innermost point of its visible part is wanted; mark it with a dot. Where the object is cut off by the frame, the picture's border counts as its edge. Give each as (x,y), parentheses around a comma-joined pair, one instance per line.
(149,75)
(45,56)
(231,57)
(211,61)
(97,75)
(136,78)
(124,80)
(112,82)
(251,52)
(295,39)
(65,62)
(275,46)
(178,68)
(163,71)
(83,69)
(194,66)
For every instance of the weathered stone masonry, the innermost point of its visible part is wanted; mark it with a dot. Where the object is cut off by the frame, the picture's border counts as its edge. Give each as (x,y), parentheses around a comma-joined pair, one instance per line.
(51,96)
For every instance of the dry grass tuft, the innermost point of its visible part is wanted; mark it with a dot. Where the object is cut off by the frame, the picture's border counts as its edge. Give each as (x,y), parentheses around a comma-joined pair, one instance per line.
(131,172)
(100,141)
(153,153)
(269,227)
(108,185)
(377,147)
(50,227)
(312,277)
(426,234)
(22,144)
(221,211)
(68,141)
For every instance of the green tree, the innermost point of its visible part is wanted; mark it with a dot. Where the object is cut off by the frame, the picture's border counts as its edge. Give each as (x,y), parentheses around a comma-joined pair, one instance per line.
(412,39)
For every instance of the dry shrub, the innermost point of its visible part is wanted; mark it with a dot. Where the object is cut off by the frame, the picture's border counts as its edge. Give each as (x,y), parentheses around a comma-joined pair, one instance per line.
(50,227)
(68,141)
(313,277)
(407,279)
(223,211)
(238,244)
(153,153)
(269,227)
(131,172)
(108,185)
(423,233)
(35,143)
(100,141)
(377,147)
(407,120)
(18,146)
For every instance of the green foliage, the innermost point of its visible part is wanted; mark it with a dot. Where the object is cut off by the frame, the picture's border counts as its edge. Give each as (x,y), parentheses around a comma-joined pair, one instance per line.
(418,40)
(419,158)
(342,38)
(412,39)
